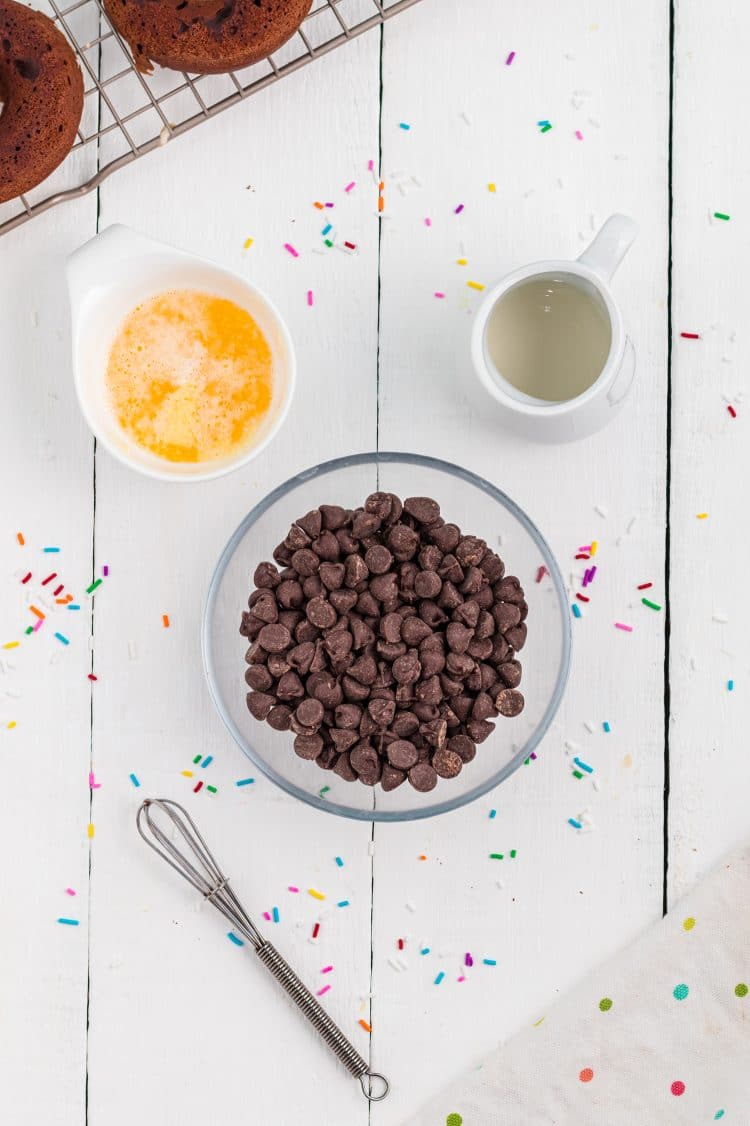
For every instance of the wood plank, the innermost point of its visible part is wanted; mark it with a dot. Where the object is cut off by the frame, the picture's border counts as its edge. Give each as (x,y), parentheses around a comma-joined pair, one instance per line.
(567,900)
(46,461)
(710,616)
(204,1038)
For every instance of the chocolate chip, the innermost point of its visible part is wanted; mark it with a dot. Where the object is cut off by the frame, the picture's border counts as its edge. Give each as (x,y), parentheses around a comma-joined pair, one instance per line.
(423,509)
(355,570)
(366,761)
(402,754)
(311,523)
(391,777)
(480,648)
(326,546)
(407,669)
(479,729)
(458,637)
(259,678)
(321,613)
(483,707)
(428,691)
(353,690)
(509,703)
(382,711)
(305,562)
(310,713)
(266,576)
(470,550)
(259,704)
(403,542)
(510,673)
(326,689)
(290,687)
(342,739)
(422,777)
(463,747)
(333,516)
(492,567)
(308,746)
(327,758)
(414,630)
(433,662)
(275,638)
(405,723)
(516,636)
(446,763)
(427,584)
(312,587)
(344,768)
(430,558)
(289,593)
(378,559)
(279,717)
(505,615)
(468,613)
(297,538)
(278,664)
(338,644)
(342,600)
(346,541)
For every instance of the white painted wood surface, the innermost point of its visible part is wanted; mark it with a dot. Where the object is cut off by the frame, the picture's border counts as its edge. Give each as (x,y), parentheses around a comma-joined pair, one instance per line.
(144,1012)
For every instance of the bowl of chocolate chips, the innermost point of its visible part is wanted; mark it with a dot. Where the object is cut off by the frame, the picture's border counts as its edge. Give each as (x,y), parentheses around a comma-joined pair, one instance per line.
(386,636)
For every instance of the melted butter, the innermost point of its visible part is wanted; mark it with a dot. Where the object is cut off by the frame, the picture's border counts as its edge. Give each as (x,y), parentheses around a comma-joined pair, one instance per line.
(190,376)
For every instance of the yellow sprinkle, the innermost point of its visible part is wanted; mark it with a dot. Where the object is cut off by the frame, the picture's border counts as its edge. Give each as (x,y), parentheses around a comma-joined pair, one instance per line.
(594,545)
(461,261)
(247,244)
(688,923)
(475,285)
(701,515)
(11,725)
(315,894)
(11,644)
(186,773)
(537,1022)
(90,831)
(490,187)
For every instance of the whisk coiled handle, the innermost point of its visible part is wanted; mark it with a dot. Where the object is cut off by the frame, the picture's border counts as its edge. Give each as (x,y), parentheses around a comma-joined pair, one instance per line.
(328,1030)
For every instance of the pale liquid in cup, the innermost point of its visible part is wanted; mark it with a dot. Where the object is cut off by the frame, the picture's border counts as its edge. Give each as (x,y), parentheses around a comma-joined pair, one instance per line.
(549,337)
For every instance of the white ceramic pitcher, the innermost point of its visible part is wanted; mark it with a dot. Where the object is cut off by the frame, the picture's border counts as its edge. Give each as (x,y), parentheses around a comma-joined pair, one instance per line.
(594,407)
(111,274)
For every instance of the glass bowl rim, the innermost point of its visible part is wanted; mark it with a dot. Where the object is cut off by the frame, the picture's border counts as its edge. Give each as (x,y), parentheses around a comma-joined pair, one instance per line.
(378,457)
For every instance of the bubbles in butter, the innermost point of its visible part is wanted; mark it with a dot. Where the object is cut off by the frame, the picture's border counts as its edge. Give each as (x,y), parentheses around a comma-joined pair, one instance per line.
(189,376)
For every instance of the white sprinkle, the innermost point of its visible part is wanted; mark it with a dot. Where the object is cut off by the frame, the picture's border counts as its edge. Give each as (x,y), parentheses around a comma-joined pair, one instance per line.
(693,665)
(560,182)
(499,541)
(465,117)
(410,906)
(132,651)
(595,123)
(630,524)
(582,93)
(115,962)
(589,726)
(500,884)
(600,511)
(403,964)
(530,192)
(721,618)
(164,135)
(35,319)
(371,848)
(416,181)
(13,693)
(394,965)
(596,784)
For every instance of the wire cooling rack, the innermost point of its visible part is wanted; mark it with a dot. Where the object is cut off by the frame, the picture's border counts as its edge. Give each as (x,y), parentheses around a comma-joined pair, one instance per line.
(127,114)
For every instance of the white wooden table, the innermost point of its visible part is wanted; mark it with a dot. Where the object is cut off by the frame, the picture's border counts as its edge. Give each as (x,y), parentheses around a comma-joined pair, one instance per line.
(145,1012)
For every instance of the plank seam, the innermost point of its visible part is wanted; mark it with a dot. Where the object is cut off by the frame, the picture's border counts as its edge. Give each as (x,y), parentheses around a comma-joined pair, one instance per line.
(668,502)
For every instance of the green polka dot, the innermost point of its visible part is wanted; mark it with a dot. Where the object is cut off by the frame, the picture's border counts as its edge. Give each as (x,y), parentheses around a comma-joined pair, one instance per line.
(688,923)
(719,1114)
(741,989)
(605,1004)
(453,1120)
(680,992)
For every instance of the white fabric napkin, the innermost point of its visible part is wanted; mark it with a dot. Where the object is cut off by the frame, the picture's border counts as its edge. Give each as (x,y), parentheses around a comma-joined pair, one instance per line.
(658,1035)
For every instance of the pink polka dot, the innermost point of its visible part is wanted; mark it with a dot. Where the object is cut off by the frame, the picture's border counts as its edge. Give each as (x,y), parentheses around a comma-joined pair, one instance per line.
(678,1087)
(586,1075)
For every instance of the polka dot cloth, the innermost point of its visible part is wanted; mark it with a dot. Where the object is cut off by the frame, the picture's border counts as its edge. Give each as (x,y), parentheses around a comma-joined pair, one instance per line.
(659,1034)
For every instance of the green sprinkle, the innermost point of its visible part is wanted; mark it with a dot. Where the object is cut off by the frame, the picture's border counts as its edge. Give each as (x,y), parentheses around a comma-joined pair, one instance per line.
(721,215)
(545,128)
(29,629)
(577,774)
(211,789)
(651,605)
(605,1004)
(197,758)
(496,856)
(323,792)
(513,853)
(94,585)
(328,242)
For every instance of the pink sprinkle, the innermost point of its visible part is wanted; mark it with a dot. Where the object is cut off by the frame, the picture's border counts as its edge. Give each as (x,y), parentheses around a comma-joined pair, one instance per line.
(322,991)
(510,58)
(93,785)
(329,205)
(468,960)
(69,891)
(579,134)
(621,625)
(428,222)
(586,547)
(438,294)
(326,969)
(292,888)
(266,916)
(541,573)
(105,570)
(533,755)
(38,625)
(458,210)
(592,572)
(370,165)
(461,978)
(309,297)
(349,187)
(288,246)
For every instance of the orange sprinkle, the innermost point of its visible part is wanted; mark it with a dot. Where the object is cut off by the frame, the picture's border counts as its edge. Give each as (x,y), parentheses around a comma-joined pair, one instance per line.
(19,537)
(319,206)
(38,613)
(165,620)
(381,203)
(422,856)
(363,1024)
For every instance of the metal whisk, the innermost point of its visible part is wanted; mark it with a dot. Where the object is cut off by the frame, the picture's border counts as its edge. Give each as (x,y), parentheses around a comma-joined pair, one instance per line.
(205,875)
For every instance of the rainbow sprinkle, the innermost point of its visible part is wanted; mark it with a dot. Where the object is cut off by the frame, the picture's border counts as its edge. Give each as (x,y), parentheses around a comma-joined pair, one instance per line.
(68,922)
(439,978)
(290,250)
(245,782)
(233,938)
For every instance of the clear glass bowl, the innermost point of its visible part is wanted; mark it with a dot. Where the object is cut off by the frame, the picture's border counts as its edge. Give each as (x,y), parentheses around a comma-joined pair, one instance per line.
(479,509)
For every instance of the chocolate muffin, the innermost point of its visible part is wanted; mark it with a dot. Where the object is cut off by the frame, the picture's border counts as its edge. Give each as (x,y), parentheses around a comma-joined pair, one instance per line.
(42,94)
(204,36)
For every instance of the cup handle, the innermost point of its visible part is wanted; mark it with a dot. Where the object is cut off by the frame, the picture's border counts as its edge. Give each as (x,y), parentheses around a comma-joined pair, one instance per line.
(610,246)
(95,261)
(624,378)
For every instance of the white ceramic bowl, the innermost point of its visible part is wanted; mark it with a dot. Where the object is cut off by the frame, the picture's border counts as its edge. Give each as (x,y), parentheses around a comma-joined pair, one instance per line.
(107,278)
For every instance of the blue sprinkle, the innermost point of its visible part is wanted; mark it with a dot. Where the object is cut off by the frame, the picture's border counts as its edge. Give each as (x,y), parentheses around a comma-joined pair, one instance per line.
(489,962)
(233,938)
(343,903)
(135,781)
(245,782)
(493,814)
(576,610)
(340,862)
(275,914)
(61,638)
(576,824)
(73,606)
(207,761)
(606,727)
(425,950)
(403,125)
(439,978)
(544,122)
(584,766)
(730,686)
(50,550)
(69,922)
(328,227)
